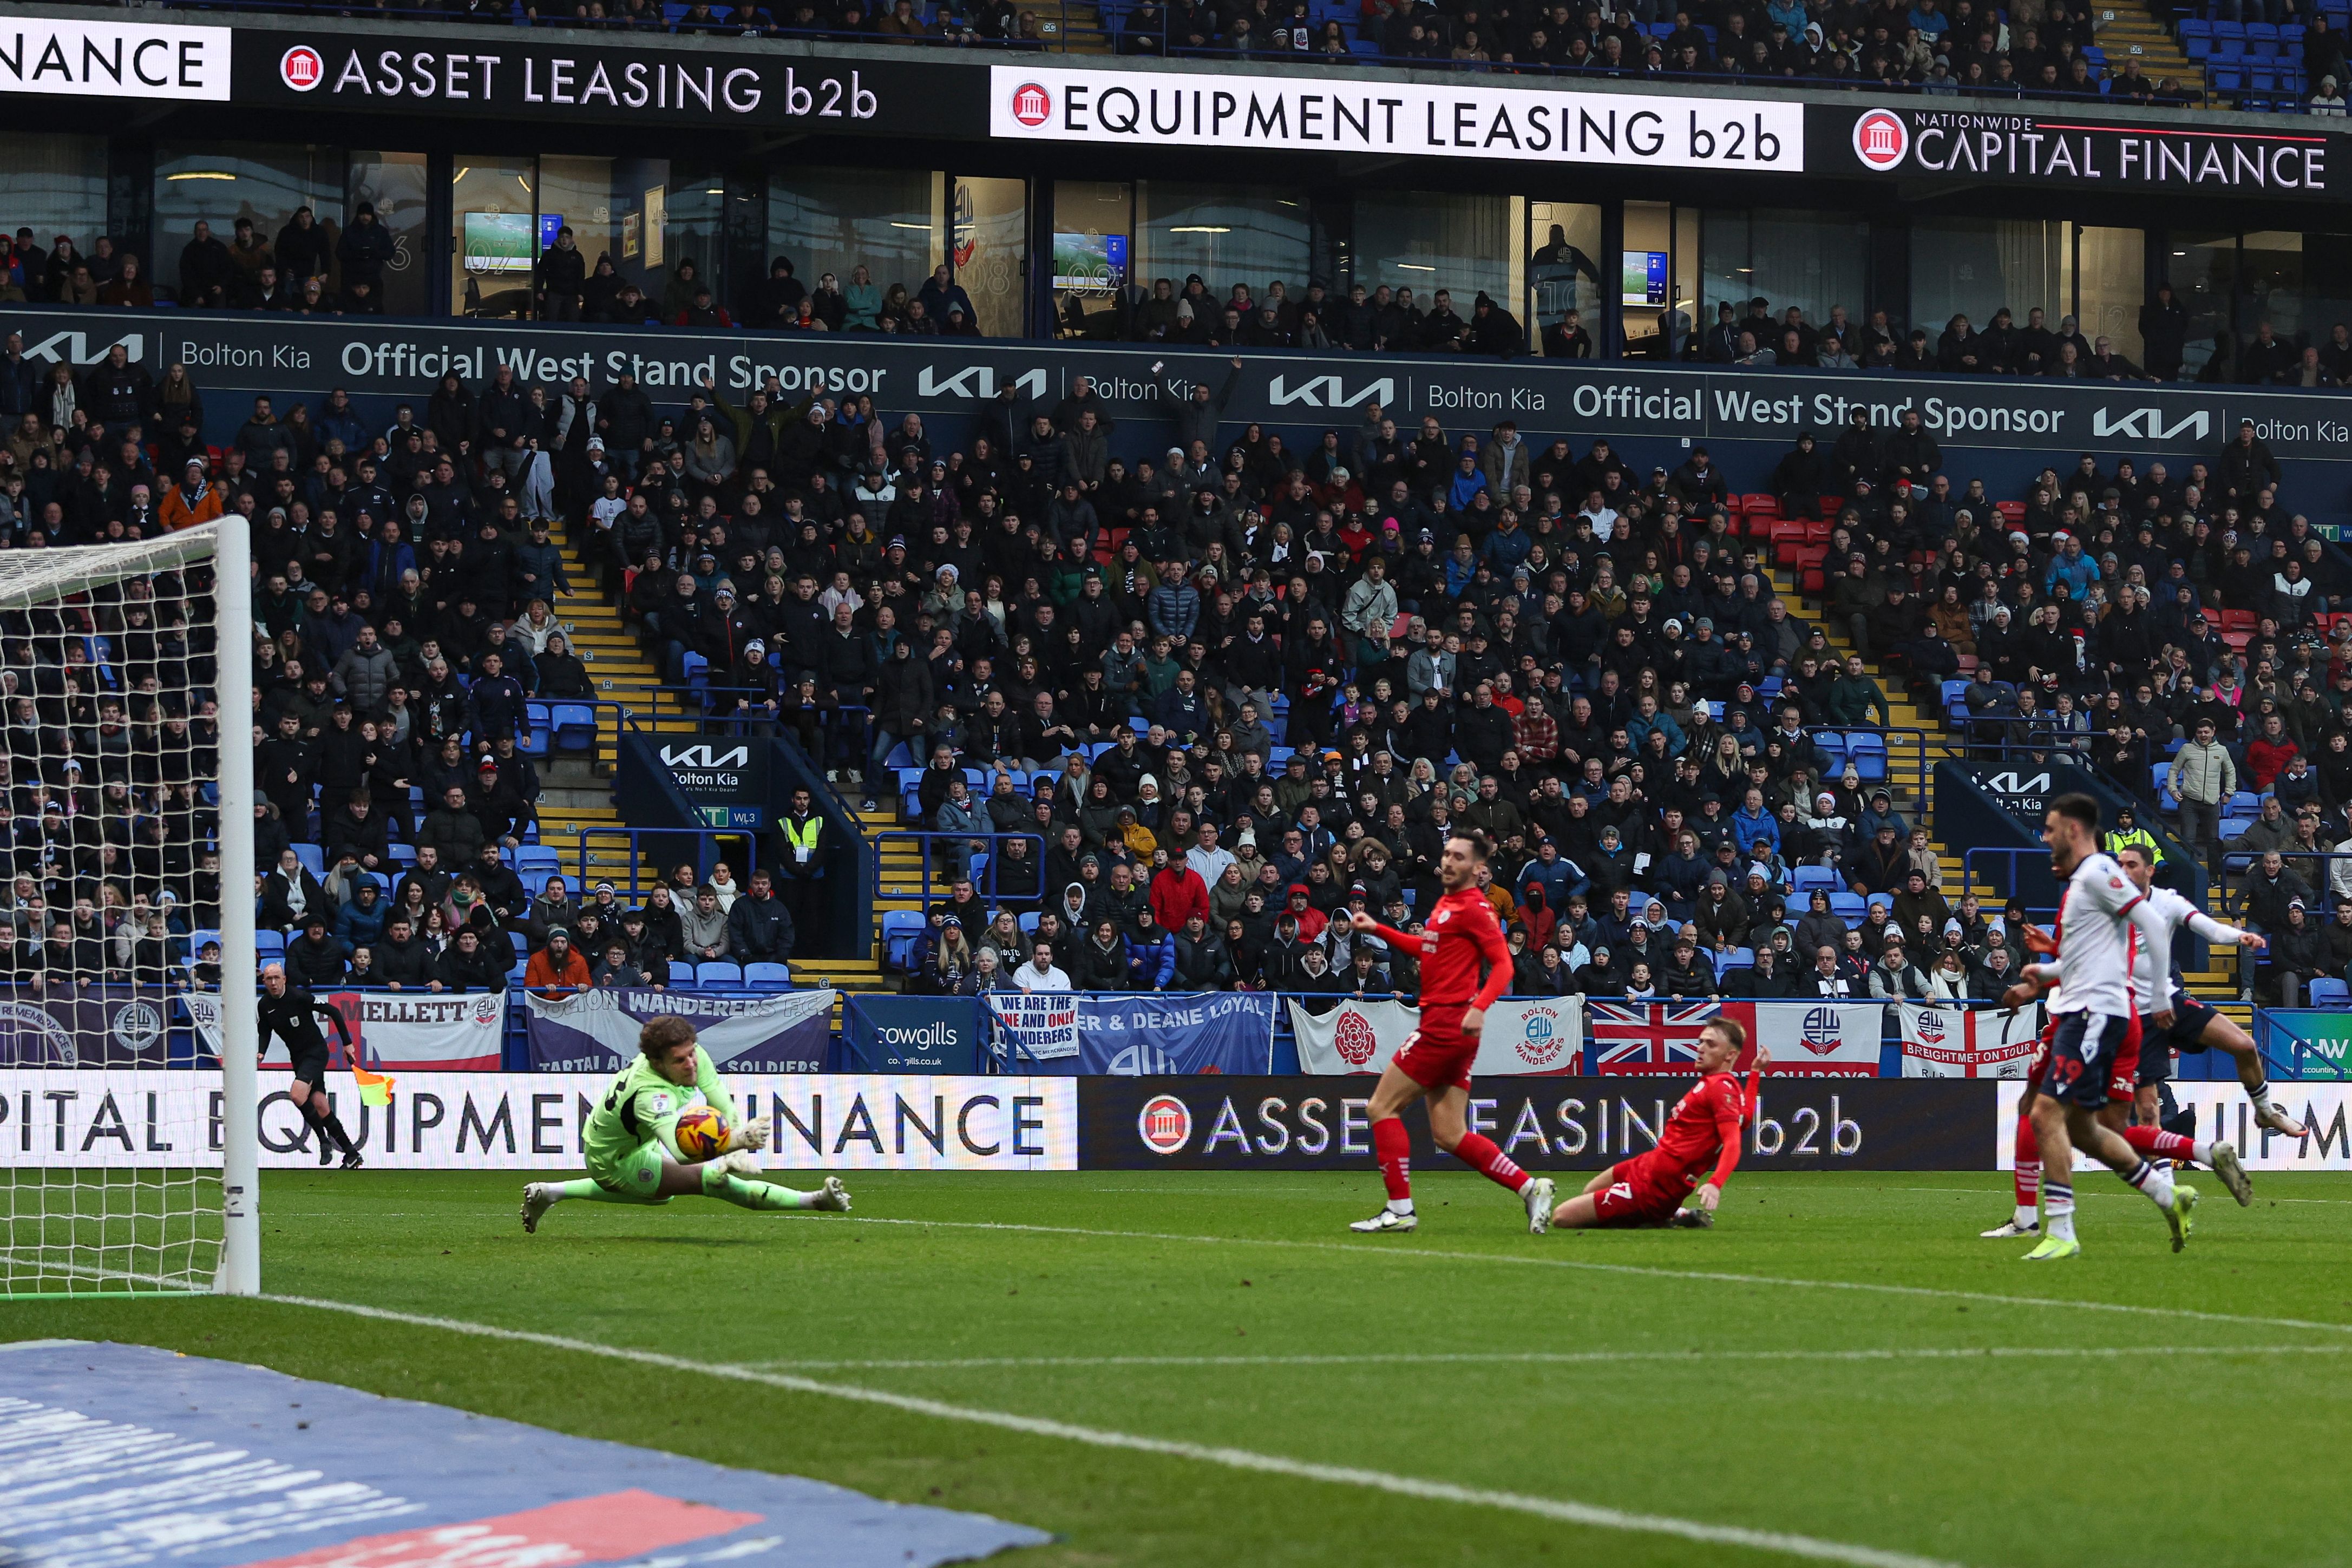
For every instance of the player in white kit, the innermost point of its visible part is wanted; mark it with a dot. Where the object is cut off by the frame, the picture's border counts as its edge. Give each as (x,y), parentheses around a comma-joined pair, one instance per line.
(2196,1026)
(2097,1032)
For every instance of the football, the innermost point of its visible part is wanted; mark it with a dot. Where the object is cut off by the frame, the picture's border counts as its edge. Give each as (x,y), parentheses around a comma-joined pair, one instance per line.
(701,1133)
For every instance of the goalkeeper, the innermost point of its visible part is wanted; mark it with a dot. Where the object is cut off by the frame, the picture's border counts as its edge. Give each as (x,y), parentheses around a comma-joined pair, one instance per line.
(631,1139)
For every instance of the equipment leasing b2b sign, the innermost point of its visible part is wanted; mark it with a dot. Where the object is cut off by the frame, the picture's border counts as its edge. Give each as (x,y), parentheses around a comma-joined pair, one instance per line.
(1184,110)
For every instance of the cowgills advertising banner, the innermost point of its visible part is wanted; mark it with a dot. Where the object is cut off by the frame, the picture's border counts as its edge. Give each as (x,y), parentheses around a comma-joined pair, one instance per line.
(887,1033)
(535,1121)
(2305,1042)
(303,357)
(1544,1123)
(596,1030)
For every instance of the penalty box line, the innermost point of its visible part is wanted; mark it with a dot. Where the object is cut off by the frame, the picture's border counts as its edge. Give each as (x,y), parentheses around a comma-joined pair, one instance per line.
(1788,1544)
(1715,1276)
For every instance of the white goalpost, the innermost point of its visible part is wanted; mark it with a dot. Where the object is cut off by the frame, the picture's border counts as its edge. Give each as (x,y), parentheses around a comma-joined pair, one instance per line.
(128,1149)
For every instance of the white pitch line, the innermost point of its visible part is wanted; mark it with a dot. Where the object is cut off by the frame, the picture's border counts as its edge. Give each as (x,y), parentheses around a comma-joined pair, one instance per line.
(1809,1547)
(1557,1358)
(1373,1249)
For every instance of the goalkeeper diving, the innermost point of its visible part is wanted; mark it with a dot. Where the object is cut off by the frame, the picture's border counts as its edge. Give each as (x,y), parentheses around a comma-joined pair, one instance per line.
(631,1139)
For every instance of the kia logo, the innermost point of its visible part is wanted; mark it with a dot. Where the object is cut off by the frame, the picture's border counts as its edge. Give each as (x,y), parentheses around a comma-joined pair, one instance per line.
(1881,139)
(1032,104)
(301,68)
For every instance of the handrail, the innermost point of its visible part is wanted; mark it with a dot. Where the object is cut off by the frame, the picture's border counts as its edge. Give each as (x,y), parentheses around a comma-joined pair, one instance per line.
(924,839)
(575,868)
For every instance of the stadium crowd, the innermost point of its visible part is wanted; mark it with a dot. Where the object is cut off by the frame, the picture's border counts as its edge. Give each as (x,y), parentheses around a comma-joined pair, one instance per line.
(1263,682)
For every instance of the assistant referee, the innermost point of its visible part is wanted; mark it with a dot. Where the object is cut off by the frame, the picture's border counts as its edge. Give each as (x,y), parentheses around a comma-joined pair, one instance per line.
(293,1016)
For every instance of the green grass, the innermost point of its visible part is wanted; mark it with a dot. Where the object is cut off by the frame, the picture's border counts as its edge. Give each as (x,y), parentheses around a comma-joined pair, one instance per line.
(2177,1458)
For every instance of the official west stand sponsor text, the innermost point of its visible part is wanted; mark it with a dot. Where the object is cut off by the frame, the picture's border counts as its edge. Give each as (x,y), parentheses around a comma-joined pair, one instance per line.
(305,357)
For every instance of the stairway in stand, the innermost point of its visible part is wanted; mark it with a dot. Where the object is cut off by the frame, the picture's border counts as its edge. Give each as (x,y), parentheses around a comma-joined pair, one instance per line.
(577,796)
(2132,32)
(1913,782)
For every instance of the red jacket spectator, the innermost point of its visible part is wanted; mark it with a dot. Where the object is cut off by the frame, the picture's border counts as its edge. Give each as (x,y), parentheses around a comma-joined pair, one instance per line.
(1178,893)
(2266,759)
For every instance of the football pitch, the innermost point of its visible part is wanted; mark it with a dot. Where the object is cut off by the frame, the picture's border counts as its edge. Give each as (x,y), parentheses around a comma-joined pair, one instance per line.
(1188,1368)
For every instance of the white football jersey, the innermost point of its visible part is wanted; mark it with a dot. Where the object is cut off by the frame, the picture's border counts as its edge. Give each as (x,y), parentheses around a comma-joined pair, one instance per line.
(2174,910)
(2095,939)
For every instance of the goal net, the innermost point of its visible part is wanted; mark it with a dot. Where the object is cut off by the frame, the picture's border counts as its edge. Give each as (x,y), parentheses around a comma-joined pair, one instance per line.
(126,913)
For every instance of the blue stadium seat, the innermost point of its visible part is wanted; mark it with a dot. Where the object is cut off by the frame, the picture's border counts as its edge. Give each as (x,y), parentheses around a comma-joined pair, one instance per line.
(522,945)
(1804,879)
(575,727)
(1867,752)
(539,733)
(1878,900)
(534,864)
(768,977)
(1738,959)
(312,857)
(718,973)
(900,928)
(1849,907)
(269,947)
(1029,922)
(2327,991)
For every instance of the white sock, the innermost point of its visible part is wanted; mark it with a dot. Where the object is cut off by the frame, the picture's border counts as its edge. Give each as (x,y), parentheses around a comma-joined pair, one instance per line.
(2058,1209)
(1399,1206)
(2260,1095)
(2155,1184)
(2026,1217)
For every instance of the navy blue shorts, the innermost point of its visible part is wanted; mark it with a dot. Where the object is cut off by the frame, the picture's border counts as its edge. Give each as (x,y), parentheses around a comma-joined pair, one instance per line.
(2190,1018)
(2083,1055)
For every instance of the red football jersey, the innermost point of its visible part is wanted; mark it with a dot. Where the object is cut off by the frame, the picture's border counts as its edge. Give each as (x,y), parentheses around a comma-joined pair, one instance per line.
(1459,937)
(1705,1128)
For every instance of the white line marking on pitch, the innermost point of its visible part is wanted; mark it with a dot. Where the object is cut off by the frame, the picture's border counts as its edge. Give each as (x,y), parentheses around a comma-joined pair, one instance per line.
(1557,1358)
(1809,1547)
(1715,1275)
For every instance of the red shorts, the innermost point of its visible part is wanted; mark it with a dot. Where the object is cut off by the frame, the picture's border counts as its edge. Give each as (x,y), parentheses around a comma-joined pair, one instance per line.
(1641,1191)
(1436,1055)
(2123,1085)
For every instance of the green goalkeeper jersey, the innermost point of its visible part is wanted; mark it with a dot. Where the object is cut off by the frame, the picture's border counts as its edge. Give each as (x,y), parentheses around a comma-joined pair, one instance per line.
(641,1106)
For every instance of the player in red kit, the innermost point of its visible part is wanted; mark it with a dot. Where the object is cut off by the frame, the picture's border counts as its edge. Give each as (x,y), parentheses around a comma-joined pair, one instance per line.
(1458,941)
(1704,1131)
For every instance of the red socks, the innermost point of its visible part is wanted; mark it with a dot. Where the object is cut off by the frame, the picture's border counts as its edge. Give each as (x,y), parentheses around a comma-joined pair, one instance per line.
(2158,1144)
(1392,1147)
(1480,1153)
(2029,1166)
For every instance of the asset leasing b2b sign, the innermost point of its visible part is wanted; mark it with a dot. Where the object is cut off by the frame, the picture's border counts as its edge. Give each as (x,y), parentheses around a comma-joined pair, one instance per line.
(1339,113)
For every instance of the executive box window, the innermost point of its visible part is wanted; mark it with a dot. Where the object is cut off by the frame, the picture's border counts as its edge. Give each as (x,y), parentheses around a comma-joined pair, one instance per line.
(659,223)
(1227,236)
(218,183)
(1812,260)
(395,185)
(1657,280)
(1974,267)
(56,185)
(1427,241)
(1563,274)
(2300,284)
(891,221)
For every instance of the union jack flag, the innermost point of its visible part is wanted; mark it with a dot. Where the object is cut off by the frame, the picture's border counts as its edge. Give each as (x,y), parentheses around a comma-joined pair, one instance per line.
(1647,1037)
